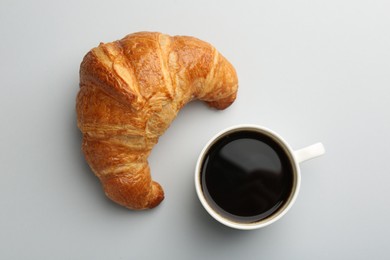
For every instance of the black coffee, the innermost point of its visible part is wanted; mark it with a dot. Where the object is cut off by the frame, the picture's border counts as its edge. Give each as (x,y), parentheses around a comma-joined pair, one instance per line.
(246,176)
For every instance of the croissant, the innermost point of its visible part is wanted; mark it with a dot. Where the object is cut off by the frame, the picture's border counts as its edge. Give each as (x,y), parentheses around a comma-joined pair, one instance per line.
(130,91)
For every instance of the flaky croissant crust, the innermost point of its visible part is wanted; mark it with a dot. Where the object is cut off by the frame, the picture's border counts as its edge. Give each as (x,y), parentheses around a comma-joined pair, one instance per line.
(130,91)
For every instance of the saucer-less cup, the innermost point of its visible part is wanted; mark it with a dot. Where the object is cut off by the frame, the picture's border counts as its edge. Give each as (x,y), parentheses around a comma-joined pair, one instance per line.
(292,157)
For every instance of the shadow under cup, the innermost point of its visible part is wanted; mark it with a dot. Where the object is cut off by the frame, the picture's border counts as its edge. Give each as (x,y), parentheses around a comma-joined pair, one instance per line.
(247,177)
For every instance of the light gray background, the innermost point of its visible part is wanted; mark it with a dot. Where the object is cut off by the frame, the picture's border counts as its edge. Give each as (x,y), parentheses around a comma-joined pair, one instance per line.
(310,70)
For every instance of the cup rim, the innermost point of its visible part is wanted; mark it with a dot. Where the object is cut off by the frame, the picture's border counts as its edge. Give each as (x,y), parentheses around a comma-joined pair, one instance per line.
(266,221)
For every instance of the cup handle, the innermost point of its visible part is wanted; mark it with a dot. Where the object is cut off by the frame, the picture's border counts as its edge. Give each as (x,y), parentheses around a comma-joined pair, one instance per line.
(309,152)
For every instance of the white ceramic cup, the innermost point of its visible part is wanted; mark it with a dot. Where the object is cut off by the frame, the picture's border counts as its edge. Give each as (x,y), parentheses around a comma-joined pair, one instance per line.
(295,157)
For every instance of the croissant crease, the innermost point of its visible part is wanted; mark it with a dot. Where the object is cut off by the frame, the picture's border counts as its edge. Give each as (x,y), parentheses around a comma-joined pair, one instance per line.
(130,91)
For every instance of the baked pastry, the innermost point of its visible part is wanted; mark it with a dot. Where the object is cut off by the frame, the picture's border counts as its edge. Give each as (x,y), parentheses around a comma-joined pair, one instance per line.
(130,91)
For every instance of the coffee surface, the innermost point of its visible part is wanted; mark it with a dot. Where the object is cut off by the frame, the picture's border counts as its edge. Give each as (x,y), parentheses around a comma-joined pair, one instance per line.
(246,176)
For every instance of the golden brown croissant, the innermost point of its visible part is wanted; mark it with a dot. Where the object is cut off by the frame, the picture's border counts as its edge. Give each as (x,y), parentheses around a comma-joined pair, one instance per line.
(130,91)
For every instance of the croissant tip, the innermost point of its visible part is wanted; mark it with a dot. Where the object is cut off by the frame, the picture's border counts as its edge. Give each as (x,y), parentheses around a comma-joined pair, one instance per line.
(223,103)
(156,202)
(158,195)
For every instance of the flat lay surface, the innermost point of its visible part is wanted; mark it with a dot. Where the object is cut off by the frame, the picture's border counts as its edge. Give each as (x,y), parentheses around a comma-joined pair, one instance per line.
(312,71)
